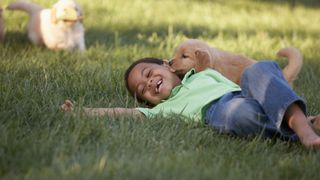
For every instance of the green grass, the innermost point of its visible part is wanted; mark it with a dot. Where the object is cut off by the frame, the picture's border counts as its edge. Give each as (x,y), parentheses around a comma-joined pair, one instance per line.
(39,142)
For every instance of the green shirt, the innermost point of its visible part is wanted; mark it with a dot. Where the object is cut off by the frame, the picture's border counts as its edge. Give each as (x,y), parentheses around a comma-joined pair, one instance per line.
(191,97)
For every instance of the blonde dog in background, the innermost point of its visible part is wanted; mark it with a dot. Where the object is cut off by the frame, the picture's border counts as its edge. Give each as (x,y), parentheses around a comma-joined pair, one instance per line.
(199,55)
(57,28)
(1,26)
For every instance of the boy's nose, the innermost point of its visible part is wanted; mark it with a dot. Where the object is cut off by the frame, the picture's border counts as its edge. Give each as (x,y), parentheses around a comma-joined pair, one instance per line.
(150,83)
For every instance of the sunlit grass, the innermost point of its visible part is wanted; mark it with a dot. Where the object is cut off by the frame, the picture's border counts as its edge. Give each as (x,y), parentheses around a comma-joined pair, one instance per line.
(39,142)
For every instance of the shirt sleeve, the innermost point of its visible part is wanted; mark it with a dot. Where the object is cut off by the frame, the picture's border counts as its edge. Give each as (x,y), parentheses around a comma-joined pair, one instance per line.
(149,113)
(145,111)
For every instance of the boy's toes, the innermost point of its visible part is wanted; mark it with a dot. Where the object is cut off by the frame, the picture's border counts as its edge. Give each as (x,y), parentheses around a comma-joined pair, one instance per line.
(315,144)
(314,122)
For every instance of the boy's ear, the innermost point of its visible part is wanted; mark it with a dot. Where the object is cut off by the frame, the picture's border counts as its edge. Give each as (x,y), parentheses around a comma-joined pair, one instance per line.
(166,64)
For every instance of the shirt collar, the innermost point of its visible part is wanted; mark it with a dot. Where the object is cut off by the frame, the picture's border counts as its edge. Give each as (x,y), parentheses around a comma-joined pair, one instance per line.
(176,89)
(188,75)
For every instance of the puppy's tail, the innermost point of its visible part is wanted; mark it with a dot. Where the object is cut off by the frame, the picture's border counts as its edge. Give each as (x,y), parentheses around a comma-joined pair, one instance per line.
(295,62)
(30,8)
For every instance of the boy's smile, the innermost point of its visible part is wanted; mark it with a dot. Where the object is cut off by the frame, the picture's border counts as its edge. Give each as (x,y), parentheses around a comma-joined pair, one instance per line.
(152,82)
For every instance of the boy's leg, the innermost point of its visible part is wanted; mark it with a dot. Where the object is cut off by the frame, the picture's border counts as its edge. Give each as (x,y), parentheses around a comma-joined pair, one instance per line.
(243,117)
(265,83)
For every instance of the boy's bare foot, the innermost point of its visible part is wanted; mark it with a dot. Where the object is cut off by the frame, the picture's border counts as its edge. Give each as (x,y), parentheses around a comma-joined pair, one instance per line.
(312,141)
(298,122)
(306,134)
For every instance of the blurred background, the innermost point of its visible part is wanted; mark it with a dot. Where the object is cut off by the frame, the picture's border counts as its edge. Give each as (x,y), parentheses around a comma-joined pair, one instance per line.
(39,142)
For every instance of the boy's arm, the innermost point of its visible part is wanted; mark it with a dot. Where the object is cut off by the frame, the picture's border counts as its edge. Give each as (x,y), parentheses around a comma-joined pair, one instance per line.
(113,112)
(67,106)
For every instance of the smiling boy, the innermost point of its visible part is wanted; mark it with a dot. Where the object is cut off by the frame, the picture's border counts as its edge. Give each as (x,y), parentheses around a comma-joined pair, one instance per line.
(161,87)
(265,104)
(151,82)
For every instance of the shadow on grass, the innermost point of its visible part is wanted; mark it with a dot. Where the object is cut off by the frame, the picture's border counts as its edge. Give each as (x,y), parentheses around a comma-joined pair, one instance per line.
(17,38)
(293,3)
(129,36)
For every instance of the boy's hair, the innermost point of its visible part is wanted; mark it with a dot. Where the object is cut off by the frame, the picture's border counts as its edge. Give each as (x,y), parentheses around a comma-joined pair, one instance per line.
(143,60)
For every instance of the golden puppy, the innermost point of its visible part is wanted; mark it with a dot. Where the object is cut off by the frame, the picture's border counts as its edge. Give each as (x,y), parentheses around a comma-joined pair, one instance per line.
(1,26)
(197,54)
(57,28)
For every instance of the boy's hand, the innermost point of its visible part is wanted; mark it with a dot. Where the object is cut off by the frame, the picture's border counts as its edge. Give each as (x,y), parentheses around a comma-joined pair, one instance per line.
(67,106)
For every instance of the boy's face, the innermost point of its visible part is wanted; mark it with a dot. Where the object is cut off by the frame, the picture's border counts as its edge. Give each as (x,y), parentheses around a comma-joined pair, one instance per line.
(152,82)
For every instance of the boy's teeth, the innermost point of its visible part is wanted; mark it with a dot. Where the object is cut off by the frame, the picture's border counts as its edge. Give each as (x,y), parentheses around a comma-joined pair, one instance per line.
(158,86)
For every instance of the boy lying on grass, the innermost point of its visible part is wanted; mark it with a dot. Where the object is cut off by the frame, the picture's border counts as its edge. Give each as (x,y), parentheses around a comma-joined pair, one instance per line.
(264,104)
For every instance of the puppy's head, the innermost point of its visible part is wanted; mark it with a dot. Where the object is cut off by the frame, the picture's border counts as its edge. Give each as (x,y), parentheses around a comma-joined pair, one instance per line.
(191,53)
(66,12)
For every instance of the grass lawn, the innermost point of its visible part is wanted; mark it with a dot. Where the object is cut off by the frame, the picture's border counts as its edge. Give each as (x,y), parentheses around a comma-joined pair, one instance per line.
(39,142)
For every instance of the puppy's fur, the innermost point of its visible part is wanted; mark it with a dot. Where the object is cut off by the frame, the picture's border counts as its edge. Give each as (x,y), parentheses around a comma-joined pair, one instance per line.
(45,28)
(1,26)
(197,54)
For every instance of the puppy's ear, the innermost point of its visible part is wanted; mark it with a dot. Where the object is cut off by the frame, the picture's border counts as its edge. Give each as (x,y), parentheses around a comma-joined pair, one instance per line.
(54,15)
(202,60)
(167,65)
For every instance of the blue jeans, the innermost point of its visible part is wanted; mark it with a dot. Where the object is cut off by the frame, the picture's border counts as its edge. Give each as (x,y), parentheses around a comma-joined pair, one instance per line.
(259,108)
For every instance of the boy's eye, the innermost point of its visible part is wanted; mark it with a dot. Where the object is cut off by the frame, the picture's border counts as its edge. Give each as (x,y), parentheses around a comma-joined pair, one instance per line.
(148,75)
(184,56)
